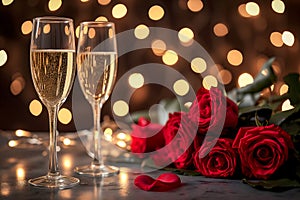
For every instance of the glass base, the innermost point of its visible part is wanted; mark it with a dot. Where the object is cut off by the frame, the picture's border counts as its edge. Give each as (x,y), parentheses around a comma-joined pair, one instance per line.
(97,170)
(60,182)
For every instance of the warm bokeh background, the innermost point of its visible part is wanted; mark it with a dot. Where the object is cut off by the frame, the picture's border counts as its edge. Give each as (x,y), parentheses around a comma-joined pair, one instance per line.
(240,35)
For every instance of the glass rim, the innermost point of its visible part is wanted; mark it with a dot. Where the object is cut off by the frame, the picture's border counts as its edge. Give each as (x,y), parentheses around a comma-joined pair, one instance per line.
(97,23)
(53,19)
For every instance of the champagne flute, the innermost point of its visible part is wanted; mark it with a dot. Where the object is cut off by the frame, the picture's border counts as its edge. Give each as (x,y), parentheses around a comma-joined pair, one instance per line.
(52,61)
(96,71)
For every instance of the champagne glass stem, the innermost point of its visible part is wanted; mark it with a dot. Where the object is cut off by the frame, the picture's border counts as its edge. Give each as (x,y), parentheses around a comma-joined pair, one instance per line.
(53,163)
(98,161)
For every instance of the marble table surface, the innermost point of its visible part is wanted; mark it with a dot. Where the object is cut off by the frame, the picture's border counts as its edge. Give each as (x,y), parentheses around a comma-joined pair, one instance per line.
(18,164)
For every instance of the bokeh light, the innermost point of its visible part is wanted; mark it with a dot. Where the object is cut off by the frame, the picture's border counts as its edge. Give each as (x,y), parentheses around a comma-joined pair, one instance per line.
(209,81)
(85,30)
(288,38)
(121,144)
(26,27)
(245,79)
(119,11)
(104,2)
(20,173)
(156,12)
(235,57)
(101,19)
(286,105)
(3,57)
(181,87)
(276,39)
(278,6)
(92,33)
(272,87)
(7,2)
(220,30)
(188,104)
(120,108)
(77,31)
(225,76)
(46,29)
(198,65)
(141,31)
(195,5)
(158,47)
(35,107)
(185,35)
(22,133)
(18,84)
(242,10)
(64,116)
(283,89)
(12,143)
(54,5)
(136,80)
(170,57)
(67,161)
(108,132)
(67,30)
(252,8)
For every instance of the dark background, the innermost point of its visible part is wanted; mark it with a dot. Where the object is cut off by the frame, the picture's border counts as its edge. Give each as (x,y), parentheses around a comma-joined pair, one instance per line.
(248,35)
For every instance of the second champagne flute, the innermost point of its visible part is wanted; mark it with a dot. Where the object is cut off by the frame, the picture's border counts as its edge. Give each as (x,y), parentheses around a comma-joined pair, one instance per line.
(96,70)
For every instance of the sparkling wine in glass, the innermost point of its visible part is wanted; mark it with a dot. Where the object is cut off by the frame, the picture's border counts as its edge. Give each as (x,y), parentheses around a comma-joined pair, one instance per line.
(96,71)
(53,67)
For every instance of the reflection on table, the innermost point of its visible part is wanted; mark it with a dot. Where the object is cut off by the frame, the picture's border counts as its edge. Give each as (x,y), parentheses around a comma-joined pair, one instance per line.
(20,163)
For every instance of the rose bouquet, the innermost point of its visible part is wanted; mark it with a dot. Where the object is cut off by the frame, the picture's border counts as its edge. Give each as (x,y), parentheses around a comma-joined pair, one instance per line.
(217,137)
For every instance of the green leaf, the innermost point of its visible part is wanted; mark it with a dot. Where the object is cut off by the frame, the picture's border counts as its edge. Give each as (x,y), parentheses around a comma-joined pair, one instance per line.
(254,115)
(292,80)
(280,117)
(274,185)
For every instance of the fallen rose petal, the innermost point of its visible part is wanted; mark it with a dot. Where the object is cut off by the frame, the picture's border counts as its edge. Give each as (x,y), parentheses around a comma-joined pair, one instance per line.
(164,182)
(144,182)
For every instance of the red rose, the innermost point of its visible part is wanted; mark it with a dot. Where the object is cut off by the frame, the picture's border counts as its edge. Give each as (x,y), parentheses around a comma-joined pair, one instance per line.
(220,162)
(262,150)
(179,134)
(146,137)
(208,111)
(172,125)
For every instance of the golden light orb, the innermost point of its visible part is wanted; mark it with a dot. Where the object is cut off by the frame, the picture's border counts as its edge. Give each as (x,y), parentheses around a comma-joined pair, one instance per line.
(278,6)
(245,79)
(156,12)
(220,30)
(252,8)
(276,39)
(235,57)
(119,11)
(64,116)
(195,5)
(170,57)
(185,35)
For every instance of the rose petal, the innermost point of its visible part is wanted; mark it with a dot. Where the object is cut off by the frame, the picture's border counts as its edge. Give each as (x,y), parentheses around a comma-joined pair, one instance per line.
(144,182)
(164,182)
